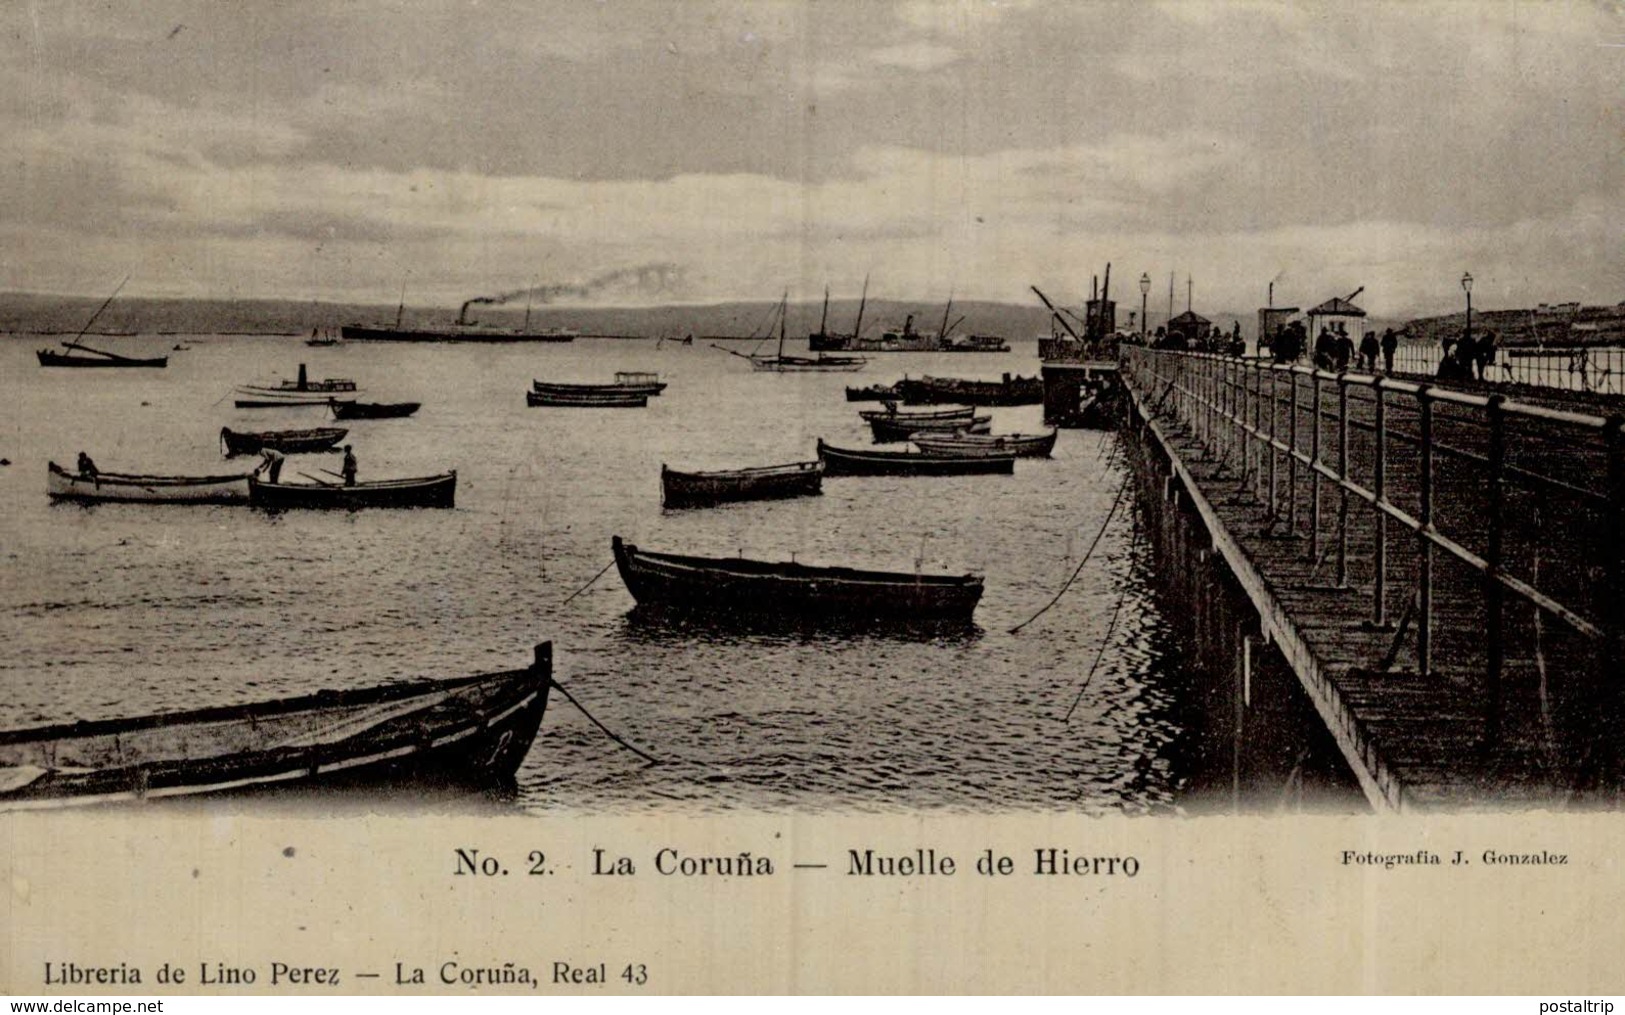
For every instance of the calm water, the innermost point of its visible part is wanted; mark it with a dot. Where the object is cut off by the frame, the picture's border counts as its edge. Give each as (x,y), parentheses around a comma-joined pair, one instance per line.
(125,609)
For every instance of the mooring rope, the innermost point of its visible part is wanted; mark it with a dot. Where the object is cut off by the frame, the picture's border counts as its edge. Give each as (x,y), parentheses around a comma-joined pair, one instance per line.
(1100,653)
(607,731)
(587,586)
(1121,489)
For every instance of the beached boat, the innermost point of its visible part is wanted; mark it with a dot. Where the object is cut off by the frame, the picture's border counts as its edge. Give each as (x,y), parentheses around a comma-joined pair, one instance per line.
(289,442)
(94,358)
(124,487)
(939,390)
(627,382)
(903,427)
(864,462)
(735,586)
(418,492)
(464,733)
(703,489)
(373,410)
(587,399)
(301,391)
(1022,445)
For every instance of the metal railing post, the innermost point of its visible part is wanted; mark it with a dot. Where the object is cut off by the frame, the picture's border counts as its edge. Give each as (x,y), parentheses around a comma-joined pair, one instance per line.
(1379,490)
(1424,612)
(1343,477)
(1292,461)
(1314,473)
(1494,594)
(1275,411)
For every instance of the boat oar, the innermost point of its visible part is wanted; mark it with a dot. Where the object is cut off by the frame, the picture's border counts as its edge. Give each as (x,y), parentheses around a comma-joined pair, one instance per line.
(587,586)
(330,472)
(316,479)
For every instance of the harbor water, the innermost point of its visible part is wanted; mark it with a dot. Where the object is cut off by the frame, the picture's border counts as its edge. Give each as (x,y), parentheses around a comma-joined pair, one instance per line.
(118,610)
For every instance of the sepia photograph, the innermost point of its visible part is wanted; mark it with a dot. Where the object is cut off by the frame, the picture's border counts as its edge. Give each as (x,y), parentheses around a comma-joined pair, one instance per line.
(507,497)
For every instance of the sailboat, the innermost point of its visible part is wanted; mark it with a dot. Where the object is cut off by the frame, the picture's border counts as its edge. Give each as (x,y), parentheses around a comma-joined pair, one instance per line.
(95,357)
(780,363)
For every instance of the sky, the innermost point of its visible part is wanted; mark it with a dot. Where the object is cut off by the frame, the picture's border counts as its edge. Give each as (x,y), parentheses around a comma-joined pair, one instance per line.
(633,152)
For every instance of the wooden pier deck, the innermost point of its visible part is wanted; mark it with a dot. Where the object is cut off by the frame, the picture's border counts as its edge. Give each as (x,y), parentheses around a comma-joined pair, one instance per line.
(1441,569)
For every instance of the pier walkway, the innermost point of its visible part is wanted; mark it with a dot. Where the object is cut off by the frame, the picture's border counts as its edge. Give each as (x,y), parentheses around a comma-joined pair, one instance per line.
(1443,570)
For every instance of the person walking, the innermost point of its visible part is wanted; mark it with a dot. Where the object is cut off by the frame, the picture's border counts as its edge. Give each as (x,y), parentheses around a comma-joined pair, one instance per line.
(1390,342)
(1368,351)
(1485,354)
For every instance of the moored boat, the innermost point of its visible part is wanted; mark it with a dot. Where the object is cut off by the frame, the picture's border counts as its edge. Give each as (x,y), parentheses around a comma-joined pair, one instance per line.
(890,412)
(703,489)
(417,492)
(289,442)
(938,390)
(301,391)
(864,462)
(874,393)
(791,591)
(1022,445)
(94,358)
(110,487)
(373,410)
(463,732)
(627,382)
(587,399)
(904,427)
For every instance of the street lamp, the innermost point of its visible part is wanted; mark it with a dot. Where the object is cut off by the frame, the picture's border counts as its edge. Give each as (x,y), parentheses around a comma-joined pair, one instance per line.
(1145,290)
(1467,287)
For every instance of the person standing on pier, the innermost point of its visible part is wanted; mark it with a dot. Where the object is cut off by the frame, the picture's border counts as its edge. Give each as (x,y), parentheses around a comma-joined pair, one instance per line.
(1368,351)
(1325,348)
(1485,353)
(1343,353)
(1390,342)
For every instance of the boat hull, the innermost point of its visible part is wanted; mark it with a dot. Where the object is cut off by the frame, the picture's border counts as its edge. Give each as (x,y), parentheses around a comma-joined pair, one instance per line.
(465,732)
(565,389)
(593,400)
(373,410)
(1020,445)
(47,358)
(113,487)
(705,489)
(860,462)
(902,428)
(424,492)
(289,442)
(937,391)
(727,586)
(798,364)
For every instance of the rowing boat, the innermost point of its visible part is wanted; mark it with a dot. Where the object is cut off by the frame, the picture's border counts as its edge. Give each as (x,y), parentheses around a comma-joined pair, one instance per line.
(289,442)
(738,587)
(373,410)
(703,489)
(1022,445)
(418,492)
(627,382)
(60,484)
(864,462)
(464,732)
(905,426)
(587,399)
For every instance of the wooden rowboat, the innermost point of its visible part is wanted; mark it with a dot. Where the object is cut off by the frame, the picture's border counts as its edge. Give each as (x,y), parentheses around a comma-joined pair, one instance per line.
(463,732)
(864,462)
(587,399)
(904,426)
(289,442)
(627,382)
(373,410)
(1022,445)
(739,587)
(418,492)
(703,489)
(964,412)
(110,487)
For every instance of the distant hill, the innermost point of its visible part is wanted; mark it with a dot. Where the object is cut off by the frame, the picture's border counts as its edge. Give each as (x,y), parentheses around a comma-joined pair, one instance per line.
(28,313)
(1563,324)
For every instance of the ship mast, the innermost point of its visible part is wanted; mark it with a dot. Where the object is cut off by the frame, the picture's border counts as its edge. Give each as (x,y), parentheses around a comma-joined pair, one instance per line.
(857,329)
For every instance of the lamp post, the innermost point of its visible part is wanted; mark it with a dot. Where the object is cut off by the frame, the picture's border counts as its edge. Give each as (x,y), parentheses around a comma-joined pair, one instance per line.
(1467,287)
(1145,290)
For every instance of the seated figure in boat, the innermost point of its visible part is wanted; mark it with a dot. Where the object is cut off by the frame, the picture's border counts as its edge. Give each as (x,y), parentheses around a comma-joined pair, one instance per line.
(87,468)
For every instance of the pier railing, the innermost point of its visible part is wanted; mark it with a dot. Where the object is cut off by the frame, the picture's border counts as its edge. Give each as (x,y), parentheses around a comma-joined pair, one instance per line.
(1487,535)
(1599,369)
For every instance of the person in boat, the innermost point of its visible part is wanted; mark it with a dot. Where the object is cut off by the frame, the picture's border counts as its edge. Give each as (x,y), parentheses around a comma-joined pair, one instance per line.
(347,470)
(271,465)
(87,468)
